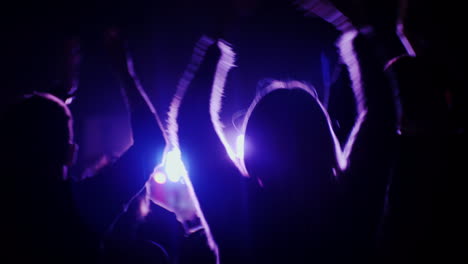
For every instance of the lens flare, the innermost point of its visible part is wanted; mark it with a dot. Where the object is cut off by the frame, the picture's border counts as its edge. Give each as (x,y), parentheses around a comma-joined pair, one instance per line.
(160,177)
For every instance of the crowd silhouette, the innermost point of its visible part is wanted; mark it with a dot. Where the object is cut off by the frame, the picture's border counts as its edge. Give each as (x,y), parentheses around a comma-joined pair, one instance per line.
(371,174)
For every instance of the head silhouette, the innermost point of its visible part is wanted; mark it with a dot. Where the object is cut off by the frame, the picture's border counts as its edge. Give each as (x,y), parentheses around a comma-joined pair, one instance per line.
(39,135)
(288,142)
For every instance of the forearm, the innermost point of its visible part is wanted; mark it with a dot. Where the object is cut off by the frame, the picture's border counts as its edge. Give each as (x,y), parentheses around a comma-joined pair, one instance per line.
(147,132)
(365,57)
(196,131)
(373,54)
(146,126)
(201,85)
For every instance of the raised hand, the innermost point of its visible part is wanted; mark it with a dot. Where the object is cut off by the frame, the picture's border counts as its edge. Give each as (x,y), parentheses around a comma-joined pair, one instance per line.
(348,14)
(66,85)
(328,12)
(172,196)
(116,46)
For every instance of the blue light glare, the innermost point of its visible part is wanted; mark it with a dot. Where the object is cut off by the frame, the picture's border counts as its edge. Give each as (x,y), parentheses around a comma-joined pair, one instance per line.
(159,177)
(173,166)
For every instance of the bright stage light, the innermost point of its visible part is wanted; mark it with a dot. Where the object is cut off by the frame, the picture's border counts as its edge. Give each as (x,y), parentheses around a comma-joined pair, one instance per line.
(174,166)
(160,177)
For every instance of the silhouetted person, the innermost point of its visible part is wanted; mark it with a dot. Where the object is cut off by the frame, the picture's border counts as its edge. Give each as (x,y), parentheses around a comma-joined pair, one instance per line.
(289,149)
(38,151)
(291,208)
(146,232)
(208,166)
(423,192)
(52,217)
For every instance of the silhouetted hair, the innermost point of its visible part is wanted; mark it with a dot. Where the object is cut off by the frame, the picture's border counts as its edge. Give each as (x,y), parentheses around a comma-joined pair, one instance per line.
(287,135)
(38,130)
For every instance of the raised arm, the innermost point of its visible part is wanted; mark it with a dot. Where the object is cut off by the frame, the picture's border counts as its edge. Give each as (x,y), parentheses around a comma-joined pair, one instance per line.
(107,193)
(217,182)
(365,55)
(146,126)
(370,150)
(66,85)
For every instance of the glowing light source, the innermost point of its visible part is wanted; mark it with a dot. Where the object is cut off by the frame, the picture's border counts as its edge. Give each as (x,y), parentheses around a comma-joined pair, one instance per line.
(69,100)
(174,166)
(240,146)
(160,177)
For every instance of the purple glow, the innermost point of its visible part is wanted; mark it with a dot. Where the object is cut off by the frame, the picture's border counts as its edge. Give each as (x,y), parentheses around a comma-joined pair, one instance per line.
(400,29)
(328,12)
(197,58)
(347,53)
(225,64)
(240,141)
(69,100)
(404,40)
(159,177)
(144,207)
